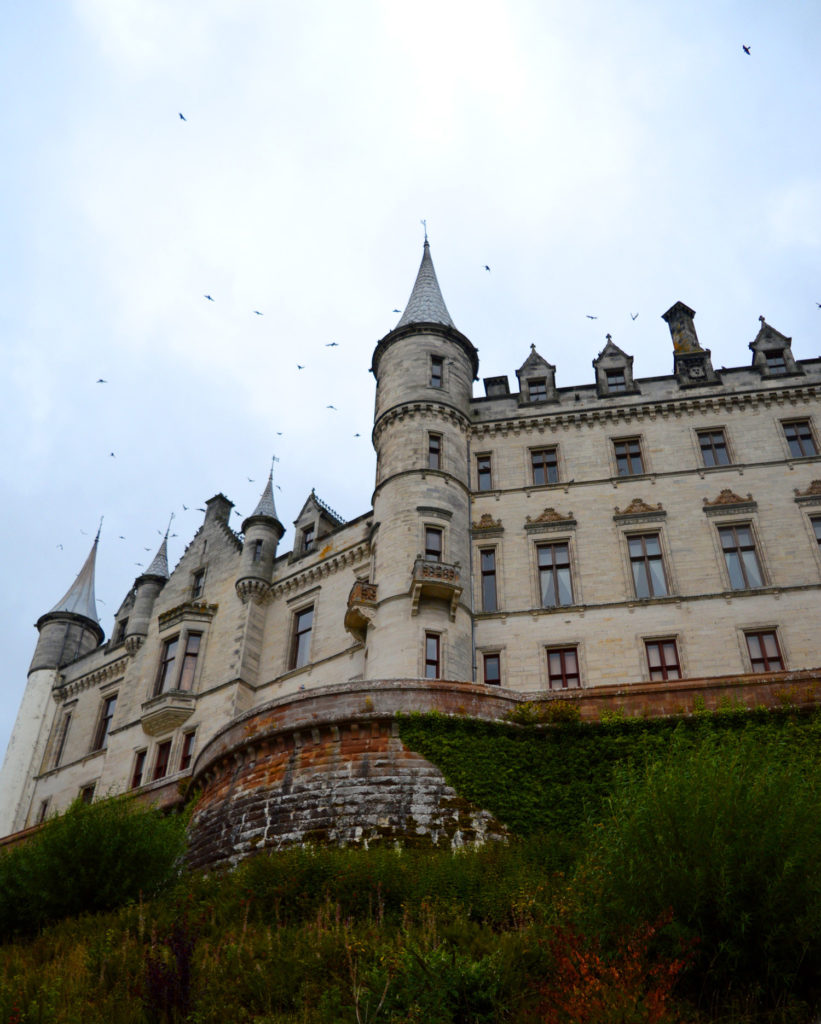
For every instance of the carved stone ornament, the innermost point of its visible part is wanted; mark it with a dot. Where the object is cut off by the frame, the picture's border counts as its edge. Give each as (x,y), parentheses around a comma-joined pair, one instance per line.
(812,495)
(728,497)
(487,522)
(550,515)
(638,507)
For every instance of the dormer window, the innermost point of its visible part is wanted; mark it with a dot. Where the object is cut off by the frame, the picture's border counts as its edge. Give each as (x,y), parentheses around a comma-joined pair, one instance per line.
(537,390)
(616,380)
(198,584)
(537,380)
(614,371)
(772,353)
(776,363)
(308,538)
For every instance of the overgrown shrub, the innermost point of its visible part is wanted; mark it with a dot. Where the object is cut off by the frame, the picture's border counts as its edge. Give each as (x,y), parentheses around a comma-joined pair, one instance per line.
(726,833)
(94,857)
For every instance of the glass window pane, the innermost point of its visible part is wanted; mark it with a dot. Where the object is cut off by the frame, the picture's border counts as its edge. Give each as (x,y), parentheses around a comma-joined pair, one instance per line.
(659,584)
(751,569)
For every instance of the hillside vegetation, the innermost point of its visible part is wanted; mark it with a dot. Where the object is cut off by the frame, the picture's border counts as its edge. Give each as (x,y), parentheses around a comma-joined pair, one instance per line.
(660,871)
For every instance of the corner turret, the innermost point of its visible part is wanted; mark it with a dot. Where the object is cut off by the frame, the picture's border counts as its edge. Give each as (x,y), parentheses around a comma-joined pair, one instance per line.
(262,533)
(146,588)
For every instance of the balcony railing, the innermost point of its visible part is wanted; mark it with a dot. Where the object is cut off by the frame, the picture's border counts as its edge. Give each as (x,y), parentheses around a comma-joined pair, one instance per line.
(361,601)
(166,711)
(440,580)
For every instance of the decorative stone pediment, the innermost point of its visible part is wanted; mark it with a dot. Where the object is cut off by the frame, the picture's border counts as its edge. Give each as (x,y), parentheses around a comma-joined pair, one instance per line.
(639,509)
(811,496)
(550,520)
(729,501)
(487,524)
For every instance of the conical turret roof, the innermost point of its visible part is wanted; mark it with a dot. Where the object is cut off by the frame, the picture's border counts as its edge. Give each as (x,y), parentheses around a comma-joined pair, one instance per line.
(265,505)
(159,566)
(426,305)
(79,598)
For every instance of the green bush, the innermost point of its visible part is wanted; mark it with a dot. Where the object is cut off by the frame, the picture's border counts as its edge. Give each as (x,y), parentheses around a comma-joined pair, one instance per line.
(94,857)
(725,831)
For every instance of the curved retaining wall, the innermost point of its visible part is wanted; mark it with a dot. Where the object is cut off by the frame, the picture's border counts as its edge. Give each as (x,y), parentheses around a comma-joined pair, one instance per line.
(329,766)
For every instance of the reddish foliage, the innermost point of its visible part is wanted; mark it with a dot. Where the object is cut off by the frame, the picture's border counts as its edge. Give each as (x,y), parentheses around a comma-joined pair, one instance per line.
(629,986)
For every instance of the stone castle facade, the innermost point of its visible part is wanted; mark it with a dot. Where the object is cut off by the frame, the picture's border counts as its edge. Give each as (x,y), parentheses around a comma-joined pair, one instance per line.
(638,538)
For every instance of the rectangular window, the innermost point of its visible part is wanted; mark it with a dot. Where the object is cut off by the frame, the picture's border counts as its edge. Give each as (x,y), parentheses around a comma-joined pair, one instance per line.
(432,656)
(765,654)
(308,534)
(555,584)
(257,552)
(301,642)
(816,526)
(168,659)
(740,557)
(436,367)
(139,769)
(187,752)
(483,473)
(104,726)
(713,446)
(537,390)
(119,635)
(545,465)
(616,381)
(433,544)
(628,457)
(61,742)
(434,451)
(42,812)
(648,567)
(161,761)
(189,661)
(662,659)
(800,439)
(87,793)
(493,669)
(776,364)
(488,561)
(198,584)
(563,668)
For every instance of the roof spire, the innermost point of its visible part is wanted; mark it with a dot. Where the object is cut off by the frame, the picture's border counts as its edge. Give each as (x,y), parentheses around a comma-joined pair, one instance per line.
(79,598)
(265,505)
(426,305)
(159,565)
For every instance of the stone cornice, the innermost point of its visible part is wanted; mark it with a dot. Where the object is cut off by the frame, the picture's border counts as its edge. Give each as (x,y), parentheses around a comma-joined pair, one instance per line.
(729,502)
(550,521)
(639,511)
(191,611)
(676,408)
(318,571)
(812,495)
(104,674)
(429,410)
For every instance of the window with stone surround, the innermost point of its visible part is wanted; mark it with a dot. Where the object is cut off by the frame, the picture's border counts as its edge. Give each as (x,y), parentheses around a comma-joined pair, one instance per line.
(487,558)
(104,723)
(537,389)
(62,736)
(555,582)
(437,366)
(433,544)
(187,752)
(256,555)
(713,444)
(139,769)
(776,363)
(42,812)
(616,380)
(544,464)
(189,661)
(197,584)
(433,653)
(301,639)
(434,451)
(492,668)
(161,760)
(800,440)
(764,651)
(662,659)
(308,538)
(87,793)
(647,565)
(629,460)
(563,668)
(168,661)
(740,556)
(484,475)
(815,522)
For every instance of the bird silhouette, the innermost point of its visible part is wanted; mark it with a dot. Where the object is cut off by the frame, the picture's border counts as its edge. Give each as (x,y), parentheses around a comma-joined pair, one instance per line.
(60,546)
(139,563)
(299,367)
(101,381)
(589,317)
(258,312)
(250,481)
(397,310)
(357,435)
(332,407)
(818,304)
(332,344)
(146,549)
(487,268)
(183,118)
(634,316)
(111,455)
(185,508)
(277,487)
(208,297)
(746,49)
(121,537)
(200,510)
(279,433)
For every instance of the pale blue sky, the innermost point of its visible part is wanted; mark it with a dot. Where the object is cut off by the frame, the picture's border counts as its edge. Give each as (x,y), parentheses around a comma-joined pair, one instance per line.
(603,159)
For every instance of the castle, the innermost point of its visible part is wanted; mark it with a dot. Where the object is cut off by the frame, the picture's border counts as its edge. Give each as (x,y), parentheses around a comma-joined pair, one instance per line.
(652,538)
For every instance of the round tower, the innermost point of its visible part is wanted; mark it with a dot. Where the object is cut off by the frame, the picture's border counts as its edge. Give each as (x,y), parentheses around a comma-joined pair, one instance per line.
(67,632)
(146,589)
(424,370)
(262,533)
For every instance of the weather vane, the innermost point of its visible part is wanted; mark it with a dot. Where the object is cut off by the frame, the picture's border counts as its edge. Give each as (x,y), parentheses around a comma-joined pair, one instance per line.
(424,224)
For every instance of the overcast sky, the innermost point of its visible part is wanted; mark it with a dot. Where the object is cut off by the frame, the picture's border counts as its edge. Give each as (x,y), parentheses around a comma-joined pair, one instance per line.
(603,159)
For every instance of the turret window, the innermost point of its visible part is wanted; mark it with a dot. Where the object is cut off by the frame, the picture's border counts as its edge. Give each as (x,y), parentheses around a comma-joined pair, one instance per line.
(61,742)
(301,641)
(484,473)
(257,551)
(308,538)
(437,365)
(433,544)
(434,451)
(432,656)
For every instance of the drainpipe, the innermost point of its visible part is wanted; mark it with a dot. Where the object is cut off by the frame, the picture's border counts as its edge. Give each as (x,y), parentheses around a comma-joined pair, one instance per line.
(470,569)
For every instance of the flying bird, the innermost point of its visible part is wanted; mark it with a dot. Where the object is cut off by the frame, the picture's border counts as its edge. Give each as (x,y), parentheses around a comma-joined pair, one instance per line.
(332,344)
(183,118)
(121,537)
(397,311)
(332,407)
(250,481)
(185,508)
(60,546)
(258,312)
(277,487)
(634,316)
(746,49)
(200,510)
(299,367)
(487,268)
(589,317)
(208,297)
(818,304)
(357,435)
(101,381)
(111,455)
(279,433)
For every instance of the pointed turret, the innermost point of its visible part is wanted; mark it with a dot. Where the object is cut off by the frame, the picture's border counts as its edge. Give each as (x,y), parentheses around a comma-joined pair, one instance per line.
(262,533)
(72,628)
(426,305)
(146,588)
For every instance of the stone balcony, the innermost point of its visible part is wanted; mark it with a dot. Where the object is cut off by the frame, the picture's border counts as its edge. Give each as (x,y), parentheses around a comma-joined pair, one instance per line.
(167,711)
(440,580)
(358,615)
